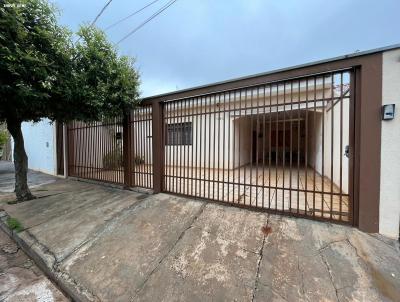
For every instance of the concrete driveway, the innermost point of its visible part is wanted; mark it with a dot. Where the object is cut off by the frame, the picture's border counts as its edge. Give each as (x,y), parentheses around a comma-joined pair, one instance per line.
(7,177)
(105,244)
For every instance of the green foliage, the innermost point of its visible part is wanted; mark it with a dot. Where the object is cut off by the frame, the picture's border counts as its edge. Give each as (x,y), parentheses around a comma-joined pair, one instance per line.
(44,74)
(14,224)
(105,85)
(3,138)
(35,56)
(113,159)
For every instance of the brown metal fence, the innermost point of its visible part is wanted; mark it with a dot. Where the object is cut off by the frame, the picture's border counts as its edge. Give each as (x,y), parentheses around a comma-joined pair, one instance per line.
(60,148)
(95,150)
(141,148)
(114,150)
(282,146)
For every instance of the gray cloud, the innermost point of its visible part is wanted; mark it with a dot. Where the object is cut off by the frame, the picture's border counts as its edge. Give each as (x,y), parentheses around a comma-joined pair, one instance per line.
(196,42)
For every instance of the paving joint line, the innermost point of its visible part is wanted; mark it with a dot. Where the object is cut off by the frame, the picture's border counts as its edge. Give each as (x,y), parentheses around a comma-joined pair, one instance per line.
(256,281)
(190,225)
(330,275)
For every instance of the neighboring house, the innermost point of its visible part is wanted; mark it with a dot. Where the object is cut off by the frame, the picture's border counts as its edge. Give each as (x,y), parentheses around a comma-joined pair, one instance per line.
(40,146)
(309,137)
(44,146)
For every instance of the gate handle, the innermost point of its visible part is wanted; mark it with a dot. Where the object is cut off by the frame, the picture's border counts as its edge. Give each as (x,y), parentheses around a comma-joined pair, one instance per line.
(347,151)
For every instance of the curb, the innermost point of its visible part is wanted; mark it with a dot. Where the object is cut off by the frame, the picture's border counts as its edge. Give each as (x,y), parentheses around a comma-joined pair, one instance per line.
(69,291)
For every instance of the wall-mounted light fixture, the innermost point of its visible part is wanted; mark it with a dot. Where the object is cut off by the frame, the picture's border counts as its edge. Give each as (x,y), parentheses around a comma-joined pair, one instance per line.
(388,112)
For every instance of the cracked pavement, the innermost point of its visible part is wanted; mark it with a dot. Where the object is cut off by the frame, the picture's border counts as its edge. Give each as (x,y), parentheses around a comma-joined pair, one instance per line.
(107,244)
(20,279)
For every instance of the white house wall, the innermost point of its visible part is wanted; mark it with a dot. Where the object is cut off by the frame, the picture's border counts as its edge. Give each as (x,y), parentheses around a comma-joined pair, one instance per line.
(389,208)
(208,147)
(142,141)
(212,149)
(87,149)
(242,140)
(314,152)
(39,141)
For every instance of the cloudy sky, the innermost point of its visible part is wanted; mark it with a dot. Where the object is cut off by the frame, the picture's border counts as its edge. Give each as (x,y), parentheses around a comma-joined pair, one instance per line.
(196,42)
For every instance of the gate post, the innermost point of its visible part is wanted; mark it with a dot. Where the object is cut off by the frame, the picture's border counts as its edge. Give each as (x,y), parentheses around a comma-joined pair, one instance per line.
(70,152)
(65,150)
(158,146)
(126,151)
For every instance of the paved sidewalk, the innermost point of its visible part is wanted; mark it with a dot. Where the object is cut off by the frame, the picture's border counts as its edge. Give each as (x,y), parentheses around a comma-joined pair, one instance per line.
(7,177)
(20,279)
(106,244)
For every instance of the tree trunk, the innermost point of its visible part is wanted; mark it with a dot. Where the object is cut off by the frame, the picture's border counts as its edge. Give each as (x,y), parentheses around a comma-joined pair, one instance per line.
(20,162)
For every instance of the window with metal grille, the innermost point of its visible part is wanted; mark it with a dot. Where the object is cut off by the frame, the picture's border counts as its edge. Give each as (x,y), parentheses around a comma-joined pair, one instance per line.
(179,134)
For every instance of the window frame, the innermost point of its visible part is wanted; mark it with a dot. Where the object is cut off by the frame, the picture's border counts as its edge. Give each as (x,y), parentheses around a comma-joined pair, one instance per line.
(179,134)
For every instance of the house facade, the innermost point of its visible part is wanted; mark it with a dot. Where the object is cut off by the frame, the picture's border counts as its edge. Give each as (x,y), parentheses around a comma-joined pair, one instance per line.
(308,141)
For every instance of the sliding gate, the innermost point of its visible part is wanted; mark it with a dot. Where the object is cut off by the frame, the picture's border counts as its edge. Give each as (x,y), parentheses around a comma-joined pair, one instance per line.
(284,146)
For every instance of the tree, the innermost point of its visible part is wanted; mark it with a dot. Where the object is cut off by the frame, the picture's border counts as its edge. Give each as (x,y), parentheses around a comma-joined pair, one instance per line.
(3,138)
(43,74)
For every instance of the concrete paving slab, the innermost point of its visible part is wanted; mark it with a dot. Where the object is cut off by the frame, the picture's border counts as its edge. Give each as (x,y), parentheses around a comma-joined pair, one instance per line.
(64,234)
(291,268)
(7,176)
(37,211)
(117,263)
(56,187)
(216,259)
(108,244)
(234,225)
(363,268)
(20,279)
(313,261)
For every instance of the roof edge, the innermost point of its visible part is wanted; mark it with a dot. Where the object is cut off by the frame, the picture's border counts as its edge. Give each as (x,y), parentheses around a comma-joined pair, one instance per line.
(338,58)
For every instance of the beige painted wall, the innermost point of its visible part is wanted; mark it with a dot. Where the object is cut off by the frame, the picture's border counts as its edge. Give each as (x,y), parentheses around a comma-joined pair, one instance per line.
(142,144)
(242,139)
(389,207)
(208,147)
(315,156)
(212,148)
(209,140)
(92,144)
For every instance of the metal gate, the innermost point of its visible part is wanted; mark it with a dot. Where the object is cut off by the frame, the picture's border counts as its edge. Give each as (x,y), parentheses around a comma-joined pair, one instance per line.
(139,161)
(283,146)
(116,150)
(95,150)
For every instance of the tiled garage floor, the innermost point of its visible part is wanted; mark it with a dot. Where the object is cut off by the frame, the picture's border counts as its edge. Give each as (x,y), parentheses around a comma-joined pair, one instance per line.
(275,188)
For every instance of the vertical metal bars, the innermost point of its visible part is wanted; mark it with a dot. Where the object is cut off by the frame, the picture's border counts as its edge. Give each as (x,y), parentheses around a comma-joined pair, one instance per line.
(277,146)
(141,147)
(95,150)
